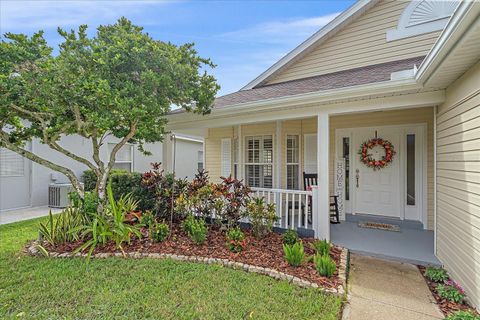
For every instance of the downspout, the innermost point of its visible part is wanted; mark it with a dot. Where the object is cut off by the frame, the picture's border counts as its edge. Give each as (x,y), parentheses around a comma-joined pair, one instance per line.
(435,180)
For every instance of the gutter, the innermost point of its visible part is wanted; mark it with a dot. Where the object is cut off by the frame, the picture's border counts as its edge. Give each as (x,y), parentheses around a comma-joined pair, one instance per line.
(365,90)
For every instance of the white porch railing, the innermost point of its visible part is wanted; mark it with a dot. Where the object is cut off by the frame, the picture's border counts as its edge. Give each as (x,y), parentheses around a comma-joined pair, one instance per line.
(294,207)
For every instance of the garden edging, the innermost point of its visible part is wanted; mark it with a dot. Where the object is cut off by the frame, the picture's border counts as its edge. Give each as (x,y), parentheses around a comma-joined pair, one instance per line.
(32,249)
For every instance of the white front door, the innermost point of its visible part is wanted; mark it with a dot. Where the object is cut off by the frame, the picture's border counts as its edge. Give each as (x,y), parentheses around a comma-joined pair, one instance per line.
(377,192)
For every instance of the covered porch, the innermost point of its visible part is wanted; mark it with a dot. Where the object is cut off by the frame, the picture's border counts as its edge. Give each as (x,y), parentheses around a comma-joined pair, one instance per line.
(272,150)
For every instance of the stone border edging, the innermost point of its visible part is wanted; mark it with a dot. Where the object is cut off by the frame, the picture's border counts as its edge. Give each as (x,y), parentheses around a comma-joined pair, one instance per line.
(342,268)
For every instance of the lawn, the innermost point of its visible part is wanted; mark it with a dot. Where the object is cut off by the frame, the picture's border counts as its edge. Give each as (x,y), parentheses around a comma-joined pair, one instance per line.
(40,288)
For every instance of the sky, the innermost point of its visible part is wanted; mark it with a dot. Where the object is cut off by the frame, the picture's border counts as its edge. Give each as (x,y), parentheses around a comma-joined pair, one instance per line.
(243,38)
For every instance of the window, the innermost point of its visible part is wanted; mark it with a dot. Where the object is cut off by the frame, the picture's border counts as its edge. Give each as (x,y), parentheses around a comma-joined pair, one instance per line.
(200,160)
(11,164)
(346,156)
(293,161)
(259,161)
(124,157)
(235,158)
(410,169)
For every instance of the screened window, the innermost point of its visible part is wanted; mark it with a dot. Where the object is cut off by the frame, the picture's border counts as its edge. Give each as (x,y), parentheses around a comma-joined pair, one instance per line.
(11,164)
(259,161)
(410,169)
(124,157)
(293,162)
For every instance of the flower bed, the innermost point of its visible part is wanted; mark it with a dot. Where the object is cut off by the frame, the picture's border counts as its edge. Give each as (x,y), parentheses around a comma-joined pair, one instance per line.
(446,306)
(260,255)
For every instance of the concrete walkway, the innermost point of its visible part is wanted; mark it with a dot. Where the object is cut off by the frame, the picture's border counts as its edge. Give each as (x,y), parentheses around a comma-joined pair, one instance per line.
(380,289)
(25,214)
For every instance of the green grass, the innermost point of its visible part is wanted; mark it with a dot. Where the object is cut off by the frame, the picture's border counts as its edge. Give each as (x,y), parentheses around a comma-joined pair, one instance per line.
(42,288)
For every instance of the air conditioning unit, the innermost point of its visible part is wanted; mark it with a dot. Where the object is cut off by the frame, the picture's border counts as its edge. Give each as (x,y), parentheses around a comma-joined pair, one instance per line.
(58,195)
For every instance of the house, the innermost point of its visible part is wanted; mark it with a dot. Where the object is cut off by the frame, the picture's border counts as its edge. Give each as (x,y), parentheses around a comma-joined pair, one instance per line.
(24,183)
(403,77)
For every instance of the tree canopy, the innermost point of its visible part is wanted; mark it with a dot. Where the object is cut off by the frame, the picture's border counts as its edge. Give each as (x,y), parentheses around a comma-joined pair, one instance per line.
(120,82)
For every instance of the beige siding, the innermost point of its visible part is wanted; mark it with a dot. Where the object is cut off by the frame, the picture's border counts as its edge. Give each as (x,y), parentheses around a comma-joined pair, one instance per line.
(458,182)
(306,126)
(360,44)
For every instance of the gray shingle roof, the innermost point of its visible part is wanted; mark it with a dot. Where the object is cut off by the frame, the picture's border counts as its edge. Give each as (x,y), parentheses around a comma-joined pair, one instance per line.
(353,77)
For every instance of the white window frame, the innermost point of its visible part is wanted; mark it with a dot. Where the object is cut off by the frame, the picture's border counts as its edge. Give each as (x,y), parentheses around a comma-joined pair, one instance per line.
(111,145)
(297,163)
(260,163)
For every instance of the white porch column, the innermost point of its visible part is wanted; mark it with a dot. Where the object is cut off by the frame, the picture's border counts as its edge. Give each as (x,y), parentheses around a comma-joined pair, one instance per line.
(323,208)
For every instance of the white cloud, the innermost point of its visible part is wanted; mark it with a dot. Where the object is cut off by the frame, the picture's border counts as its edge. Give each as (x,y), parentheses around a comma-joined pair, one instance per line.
(279,32)
(34,15)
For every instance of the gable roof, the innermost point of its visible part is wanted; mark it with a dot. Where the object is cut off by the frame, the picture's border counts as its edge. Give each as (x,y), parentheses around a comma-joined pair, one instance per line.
(323,34)
(342,79)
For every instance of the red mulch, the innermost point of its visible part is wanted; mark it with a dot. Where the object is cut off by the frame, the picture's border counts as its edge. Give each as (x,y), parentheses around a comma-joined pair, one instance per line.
(267,252)
(446,306)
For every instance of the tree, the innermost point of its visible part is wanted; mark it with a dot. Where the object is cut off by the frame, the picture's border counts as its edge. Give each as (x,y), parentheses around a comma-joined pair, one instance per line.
(120,82)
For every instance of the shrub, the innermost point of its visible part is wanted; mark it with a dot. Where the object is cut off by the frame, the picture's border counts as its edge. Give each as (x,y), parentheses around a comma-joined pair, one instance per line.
(58,229)
(462,315)
(262,216)
(290,237)
(161,188)
(147,219)
(159,232)
(90,178)
(324,264)
(196,229)
(294,254)
(235,240)
(322,247)
(438,275)
(236,196)
(451,291)
(110,225)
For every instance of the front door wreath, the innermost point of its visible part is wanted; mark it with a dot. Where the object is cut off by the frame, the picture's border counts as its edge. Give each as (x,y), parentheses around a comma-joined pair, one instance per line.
(369,160)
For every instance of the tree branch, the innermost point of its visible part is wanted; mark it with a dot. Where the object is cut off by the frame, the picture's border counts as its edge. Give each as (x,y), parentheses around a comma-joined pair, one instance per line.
(47,163)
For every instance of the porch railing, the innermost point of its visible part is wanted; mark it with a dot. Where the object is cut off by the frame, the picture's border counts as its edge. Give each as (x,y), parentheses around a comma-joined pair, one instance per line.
(295,208)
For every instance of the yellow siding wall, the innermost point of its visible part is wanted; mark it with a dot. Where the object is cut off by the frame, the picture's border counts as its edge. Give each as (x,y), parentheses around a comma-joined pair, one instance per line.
(458,182)
(306,126)
(361,43)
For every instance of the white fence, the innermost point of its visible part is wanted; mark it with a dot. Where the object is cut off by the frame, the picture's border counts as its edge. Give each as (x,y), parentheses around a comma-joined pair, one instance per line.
(295,208)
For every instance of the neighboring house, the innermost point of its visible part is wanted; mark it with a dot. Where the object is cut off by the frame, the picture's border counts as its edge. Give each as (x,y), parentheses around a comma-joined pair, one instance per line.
(408,72)
(24,183)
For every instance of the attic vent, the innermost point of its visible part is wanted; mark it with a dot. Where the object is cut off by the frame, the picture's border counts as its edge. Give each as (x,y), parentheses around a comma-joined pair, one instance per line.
(423,16)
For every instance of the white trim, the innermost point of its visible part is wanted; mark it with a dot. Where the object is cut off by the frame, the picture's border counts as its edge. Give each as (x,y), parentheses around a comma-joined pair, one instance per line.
(421,185)
(278,156)
(188,138)
(393,94)
(406,29)
(327,31)
(435,180)
(346,133)
(458,24)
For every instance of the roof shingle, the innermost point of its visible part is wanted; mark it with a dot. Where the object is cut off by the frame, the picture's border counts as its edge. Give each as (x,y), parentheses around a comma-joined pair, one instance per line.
(342,79)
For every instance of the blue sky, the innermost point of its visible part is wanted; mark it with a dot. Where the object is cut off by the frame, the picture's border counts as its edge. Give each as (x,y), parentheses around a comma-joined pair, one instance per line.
(242,37)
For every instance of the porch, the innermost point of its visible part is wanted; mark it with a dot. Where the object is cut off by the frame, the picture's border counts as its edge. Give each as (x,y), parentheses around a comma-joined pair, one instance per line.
(272,156)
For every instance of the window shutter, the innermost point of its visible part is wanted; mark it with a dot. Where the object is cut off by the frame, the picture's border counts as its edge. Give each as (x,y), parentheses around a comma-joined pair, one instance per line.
(11,164)
(310,160)
(226,157)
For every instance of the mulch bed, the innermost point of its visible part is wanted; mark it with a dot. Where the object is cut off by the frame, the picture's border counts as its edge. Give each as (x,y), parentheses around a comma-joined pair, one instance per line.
(266,252)
(446,306)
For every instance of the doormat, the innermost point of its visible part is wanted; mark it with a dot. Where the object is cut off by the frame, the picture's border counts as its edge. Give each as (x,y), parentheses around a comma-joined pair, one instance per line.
(379,226)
